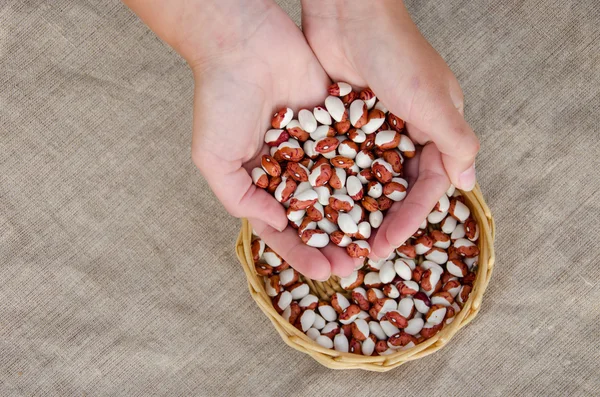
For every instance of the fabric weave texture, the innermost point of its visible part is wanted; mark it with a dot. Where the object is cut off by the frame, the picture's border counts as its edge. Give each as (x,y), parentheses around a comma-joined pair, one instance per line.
(117,267)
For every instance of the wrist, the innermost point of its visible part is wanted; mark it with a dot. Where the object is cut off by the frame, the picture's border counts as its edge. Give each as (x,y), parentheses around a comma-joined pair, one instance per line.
(202,30)
(220,30)
(348,10)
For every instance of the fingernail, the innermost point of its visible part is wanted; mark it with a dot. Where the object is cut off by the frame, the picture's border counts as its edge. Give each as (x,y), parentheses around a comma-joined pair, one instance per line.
(457,101)
(277,227)
(325,279)
(374,257)
(467,179)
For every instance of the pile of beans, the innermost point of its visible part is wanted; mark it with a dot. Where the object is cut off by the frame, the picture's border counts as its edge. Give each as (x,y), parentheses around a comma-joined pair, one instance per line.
(391,304)
(337,169)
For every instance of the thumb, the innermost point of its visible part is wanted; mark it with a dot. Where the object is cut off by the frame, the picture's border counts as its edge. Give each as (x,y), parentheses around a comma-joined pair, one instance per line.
(438,116)
(434,114)
(433,104)
(241,198)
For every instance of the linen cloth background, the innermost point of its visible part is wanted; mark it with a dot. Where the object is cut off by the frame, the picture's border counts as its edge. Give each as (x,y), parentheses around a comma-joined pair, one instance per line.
(117,269)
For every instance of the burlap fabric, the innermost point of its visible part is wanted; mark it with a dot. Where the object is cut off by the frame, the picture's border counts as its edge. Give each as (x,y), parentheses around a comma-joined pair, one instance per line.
(117,269)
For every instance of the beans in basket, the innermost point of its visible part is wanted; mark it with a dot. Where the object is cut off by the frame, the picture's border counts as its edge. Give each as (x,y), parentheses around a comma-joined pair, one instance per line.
(388,305)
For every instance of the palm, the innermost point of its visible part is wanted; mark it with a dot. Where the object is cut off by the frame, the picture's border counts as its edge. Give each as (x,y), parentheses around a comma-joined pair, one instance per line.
(234,101)
(351,55)
(236,97)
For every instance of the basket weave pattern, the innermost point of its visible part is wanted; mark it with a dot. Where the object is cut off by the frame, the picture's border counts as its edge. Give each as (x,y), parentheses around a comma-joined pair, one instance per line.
(337,360)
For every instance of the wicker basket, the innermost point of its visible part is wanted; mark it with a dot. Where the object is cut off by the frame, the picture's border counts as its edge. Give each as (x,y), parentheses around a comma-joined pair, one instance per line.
(336,360)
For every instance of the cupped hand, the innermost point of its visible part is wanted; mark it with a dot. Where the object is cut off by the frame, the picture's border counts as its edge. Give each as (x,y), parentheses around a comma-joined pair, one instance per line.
(376,44)
(260,69)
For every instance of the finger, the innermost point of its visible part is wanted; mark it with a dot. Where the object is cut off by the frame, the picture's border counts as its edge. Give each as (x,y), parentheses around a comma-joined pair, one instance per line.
(421,92)
(341,264)
(416,134)
(466,179)
(256,160)
(431,109)
(437,116)
(241,198)
(457,96)
(411,168)
(411,173)
(309,261)
(405,217)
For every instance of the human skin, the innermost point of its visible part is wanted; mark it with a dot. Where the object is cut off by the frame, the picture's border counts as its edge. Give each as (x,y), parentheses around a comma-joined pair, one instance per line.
(249,59)
(376,44)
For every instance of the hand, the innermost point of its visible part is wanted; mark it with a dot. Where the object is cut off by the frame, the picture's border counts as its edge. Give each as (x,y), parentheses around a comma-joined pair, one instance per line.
(376,44)
(252,61)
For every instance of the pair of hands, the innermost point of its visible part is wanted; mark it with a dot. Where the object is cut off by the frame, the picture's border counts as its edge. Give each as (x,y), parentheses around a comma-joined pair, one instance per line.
(249,60)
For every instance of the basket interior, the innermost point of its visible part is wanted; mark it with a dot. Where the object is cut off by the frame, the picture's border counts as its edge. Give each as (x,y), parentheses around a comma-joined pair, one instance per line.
(324,290)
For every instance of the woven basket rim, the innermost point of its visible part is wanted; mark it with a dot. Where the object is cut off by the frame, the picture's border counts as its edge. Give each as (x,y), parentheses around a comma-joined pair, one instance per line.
(337,360)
